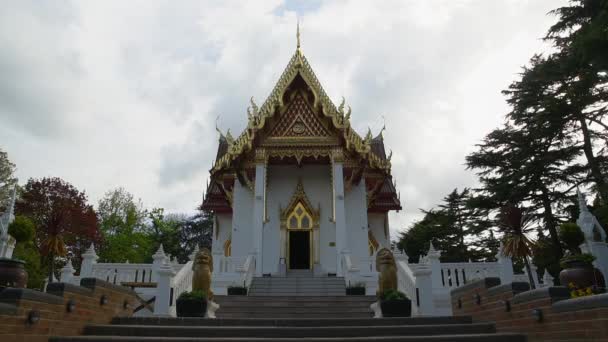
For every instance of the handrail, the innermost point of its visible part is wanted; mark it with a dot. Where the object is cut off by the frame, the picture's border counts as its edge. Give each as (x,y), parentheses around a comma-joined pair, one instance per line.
(247,270)
(180,283)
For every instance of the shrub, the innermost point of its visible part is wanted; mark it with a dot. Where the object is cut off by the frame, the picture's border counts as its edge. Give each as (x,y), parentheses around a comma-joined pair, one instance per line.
(197,294)
(584,258)
(572,236)
(22,229)
(393,295)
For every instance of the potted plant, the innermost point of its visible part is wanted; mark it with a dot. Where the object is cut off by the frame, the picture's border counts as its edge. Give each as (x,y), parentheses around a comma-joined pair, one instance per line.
(237,290)
(395,304)
(192,304)
(577,268)
(355,290)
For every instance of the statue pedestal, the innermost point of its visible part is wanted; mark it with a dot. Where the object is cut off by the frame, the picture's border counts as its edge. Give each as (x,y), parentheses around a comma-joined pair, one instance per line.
(212,307)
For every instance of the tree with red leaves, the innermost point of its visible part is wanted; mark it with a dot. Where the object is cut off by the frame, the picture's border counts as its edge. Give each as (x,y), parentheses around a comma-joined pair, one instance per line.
(65,223)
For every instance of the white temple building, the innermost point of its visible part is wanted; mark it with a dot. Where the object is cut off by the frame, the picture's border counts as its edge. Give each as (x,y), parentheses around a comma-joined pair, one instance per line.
(299,188)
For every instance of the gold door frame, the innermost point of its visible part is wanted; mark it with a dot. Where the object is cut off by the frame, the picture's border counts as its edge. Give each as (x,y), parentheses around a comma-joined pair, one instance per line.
(299,199)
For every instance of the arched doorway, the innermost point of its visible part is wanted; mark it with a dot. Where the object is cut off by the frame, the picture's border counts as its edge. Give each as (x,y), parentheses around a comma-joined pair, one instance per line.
(299,230)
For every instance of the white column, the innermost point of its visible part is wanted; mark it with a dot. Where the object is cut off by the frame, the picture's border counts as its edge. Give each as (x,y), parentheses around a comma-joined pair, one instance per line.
(424,291)
(259,203)
(433,256)
(162,303)
(159,259)
(89,258)
(67,272)
(505,267)
(339,212)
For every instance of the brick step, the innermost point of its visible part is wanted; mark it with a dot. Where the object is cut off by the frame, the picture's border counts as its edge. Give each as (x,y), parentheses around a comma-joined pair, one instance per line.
(287,332)
(343,322)
(502,337)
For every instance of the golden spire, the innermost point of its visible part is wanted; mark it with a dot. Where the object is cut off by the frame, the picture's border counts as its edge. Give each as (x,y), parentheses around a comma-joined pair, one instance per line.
(298,34)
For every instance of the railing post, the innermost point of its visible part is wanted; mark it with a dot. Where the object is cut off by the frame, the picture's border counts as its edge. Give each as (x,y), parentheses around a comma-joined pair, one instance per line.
(89,258)
(505,267)
(164,299)
(67,272)
(434,263)
(159,261)
(423,291)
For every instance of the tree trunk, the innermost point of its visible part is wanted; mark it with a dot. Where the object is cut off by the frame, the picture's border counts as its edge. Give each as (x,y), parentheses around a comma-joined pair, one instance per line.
(596,173)
(52,268)
(550,223)
(529,271)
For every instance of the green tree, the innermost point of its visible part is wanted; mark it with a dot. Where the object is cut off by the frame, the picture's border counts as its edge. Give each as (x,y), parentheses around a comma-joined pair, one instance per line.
(515,226)
(24,231)
(66,224)
(456,227)
(123,227)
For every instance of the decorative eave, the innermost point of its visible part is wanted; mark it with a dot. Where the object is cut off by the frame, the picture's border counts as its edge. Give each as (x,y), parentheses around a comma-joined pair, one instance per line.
(259,116)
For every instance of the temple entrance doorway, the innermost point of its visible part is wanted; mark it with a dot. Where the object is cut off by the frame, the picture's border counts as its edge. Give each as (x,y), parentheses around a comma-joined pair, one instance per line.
(299,250)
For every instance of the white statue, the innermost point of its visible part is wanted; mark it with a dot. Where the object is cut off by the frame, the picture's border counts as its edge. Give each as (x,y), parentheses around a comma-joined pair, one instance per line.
(7,242)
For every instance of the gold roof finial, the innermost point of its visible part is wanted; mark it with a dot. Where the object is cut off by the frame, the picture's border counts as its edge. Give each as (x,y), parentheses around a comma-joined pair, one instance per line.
(298,34)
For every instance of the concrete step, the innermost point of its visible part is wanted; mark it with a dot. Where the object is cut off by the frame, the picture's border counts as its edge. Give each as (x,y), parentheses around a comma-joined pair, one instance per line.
(309,315)
(502,337)
(287,332)
(340,299)
(341,322)
(293,304)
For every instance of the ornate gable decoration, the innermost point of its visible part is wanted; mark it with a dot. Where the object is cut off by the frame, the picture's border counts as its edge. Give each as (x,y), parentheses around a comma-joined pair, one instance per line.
(339,117)
(299,121)
(299,197)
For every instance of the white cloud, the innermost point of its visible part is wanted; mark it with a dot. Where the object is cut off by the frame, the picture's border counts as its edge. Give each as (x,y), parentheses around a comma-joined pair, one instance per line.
(117,93)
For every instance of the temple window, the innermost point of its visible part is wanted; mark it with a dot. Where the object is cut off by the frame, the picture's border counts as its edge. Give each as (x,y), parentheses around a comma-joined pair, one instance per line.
(299,218)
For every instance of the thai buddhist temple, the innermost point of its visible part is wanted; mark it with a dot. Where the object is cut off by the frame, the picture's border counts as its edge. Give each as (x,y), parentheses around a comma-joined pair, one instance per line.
(299,187)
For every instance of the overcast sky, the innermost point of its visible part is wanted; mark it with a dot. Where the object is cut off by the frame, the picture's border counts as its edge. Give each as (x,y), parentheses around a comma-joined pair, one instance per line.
(126,93)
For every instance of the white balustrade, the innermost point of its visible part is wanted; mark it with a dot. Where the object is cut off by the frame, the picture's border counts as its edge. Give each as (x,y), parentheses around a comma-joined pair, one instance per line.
(248,269)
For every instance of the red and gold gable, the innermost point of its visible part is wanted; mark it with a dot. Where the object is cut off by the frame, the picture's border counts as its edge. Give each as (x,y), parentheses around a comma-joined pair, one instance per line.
(299,120)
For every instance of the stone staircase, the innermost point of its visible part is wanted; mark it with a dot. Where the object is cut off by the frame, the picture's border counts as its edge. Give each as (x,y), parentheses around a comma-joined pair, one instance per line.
(300,285)
(293,309)
(430,329)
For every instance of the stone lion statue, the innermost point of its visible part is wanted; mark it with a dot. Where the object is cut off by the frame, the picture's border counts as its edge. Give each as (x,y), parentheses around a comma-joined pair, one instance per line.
(202,268)
(387,269)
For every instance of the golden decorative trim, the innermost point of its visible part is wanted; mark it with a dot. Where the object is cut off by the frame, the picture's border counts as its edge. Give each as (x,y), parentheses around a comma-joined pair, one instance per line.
(299,196)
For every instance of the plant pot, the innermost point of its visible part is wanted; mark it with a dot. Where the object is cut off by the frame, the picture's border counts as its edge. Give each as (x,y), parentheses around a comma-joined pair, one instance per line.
(12,273)
(581,274)
(396,308)
(237,291)
(191,307)
(355,291)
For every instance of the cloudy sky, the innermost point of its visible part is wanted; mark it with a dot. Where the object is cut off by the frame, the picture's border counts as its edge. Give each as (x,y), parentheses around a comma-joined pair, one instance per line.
(126,93)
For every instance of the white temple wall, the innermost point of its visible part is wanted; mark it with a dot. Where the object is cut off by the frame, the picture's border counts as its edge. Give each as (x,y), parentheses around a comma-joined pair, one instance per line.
(282,182)
(223,230)
(356,221)
(242,221)
(377,224)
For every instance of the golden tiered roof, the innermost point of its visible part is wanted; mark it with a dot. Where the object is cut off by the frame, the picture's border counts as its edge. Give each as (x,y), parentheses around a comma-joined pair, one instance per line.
(258,118)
